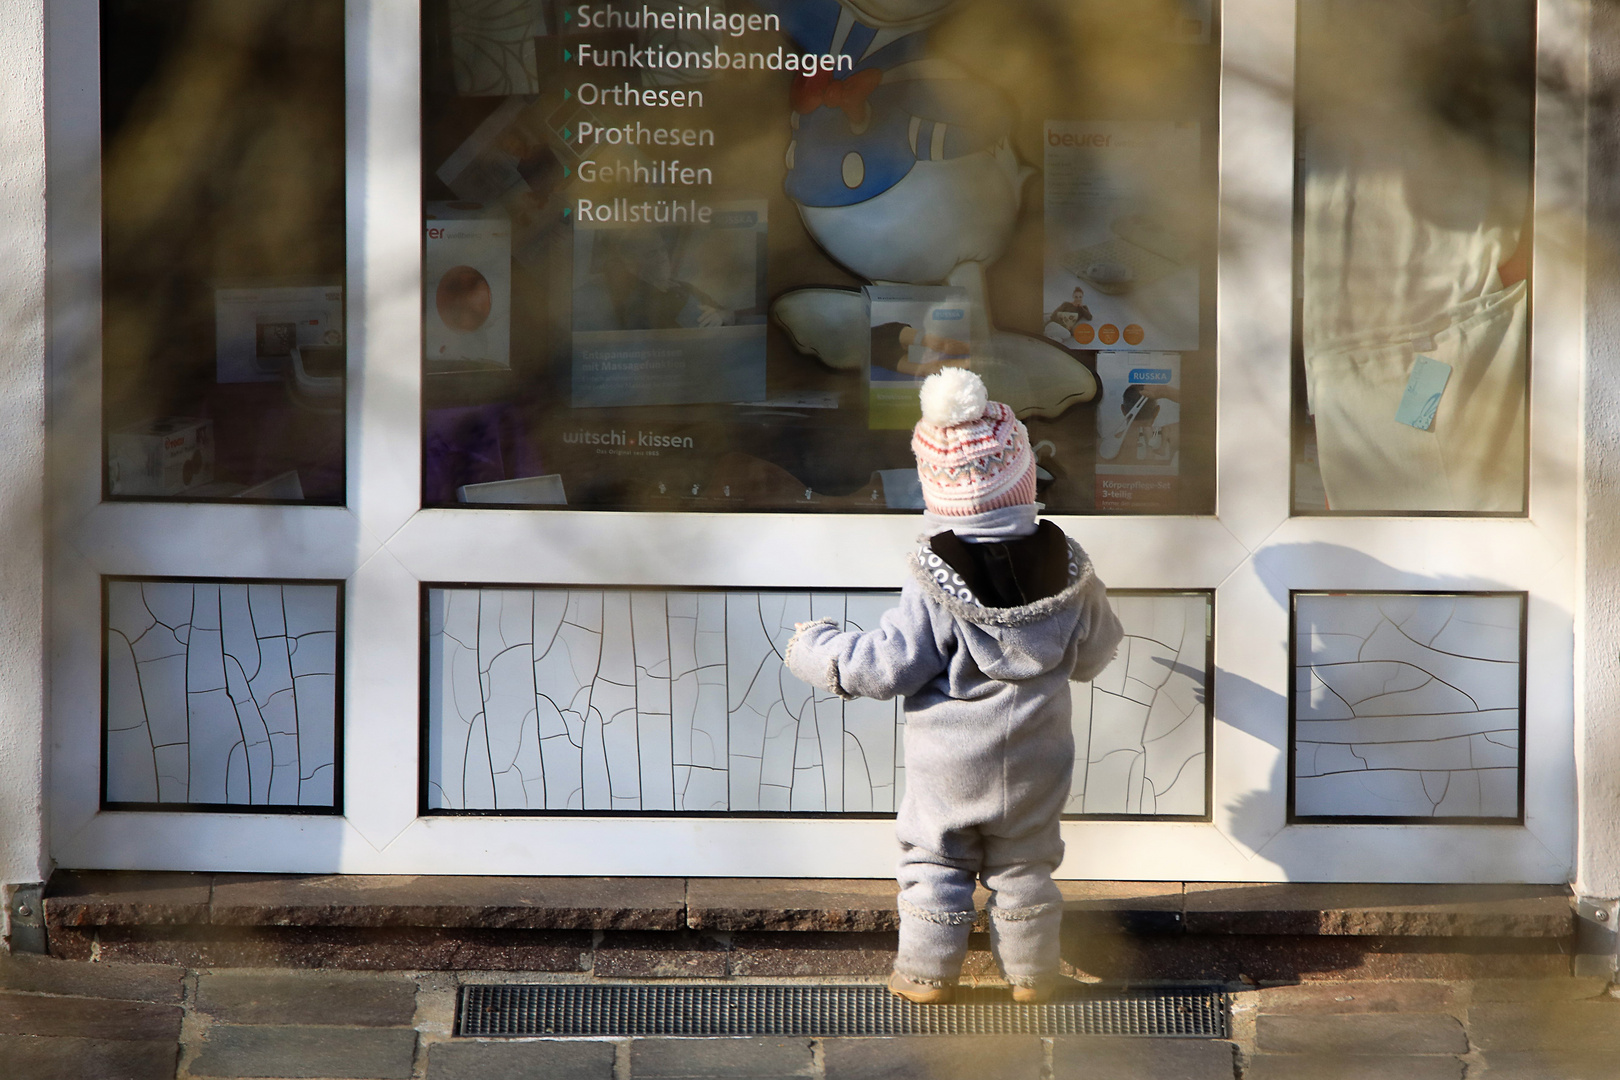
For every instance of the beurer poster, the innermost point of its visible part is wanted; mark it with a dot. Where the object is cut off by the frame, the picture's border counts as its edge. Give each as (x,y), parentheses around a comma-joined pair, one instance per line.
(1121,246)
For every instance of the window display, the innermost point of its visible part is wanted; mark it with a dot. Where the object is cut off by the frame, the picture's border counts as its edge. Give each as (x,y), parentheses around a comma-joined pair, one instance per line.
(223,319)
(698,256)
(1413,253)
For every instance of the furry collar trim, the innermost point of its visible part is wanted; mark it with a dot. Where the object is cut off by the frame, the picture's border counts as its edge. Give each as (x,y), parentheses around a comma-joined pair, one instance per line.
(959,601)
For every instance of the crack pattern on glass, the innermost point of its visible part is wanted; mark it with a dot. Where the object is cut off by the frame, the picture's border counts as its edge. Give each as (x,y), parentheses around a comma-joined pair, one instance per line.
(1141,733)
(1407,706)
(659,701)
(221,694)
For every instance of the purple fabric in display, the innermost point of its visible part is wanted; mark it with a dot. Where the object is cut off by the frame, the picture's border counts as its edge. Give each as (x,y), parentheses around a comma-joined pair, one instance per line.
(476,444)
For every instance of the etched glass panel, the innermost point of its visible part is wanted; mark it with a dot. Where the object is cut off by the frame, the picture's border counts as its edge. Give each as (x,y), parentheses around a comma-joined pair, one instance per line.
(650,701)
(1141,729)
(1408,707)
(222,695)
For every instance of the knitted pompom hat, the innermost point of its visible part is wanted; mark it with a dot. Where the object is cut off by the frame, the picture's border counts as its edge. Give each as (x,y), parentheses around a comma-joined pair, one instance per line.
(972,453)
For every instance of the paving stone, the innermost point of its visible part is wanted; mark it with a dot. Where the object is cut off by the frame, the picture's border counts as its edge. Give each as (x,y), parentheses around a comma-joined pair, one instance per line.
(107,897)
(349,900)
(633,955)
(939,1057)
(572,1059)
(1550,1066)
(1102,1058)
(126,982)
(1560,989)
(89,1018)
(329,1053)
(664,1058)
(349,1000)
(770,955)
(34,1057)
(1355,997)
(1366,1033)
(1314,1067)
(1487,911)
(1567,1026)
(360,948)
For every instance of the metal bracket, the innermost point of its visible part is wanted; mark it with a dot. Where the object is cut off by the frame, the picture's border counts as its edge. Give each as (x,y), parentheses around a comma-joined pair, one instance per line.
(1597,937)
(25,910)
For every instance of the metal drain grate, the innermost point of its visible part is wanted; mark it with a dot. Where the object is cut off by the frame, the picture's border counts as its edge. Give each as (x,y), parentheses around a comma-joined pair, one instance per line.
(563,1009)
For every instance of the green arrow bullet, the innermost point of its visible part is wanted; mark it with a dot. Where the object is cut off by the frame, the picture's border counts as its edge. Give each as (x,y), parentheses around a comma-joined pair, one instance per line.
(567,56)
(568,16)
(567,134)
(566,211)
(567,95)
(567,172)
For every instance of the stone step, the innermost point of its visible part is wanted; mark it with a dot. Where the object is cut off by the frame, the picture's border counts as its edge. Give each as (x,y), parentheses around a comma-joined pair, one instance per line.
(752,928)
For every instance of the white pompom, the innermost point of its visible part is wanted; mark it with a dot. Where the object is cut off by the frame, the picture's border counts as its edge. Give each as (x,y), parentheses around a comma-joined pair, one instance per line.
(953,395)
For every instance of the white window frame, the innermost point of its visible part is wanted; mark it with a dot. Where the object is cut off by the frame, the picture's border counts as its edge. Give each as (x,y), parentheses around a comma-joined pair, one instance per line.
(383,545)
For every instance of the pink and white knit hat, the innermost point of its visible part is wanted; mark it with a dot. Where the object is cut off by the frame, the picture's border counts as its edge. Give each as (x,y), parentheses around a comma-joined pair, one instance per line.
(972,453)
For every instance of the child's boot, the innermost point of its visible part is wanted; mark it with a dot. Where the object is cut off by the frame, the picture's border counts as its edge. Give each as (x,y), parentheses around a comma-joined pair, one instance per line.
(1038,992)
(1025,943)
(933,945)
(920,993)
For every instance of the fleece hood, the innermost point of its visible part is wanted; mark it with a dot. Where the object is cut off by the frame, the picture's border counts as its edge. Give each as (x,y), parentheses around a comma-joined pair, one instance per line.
(1009,643)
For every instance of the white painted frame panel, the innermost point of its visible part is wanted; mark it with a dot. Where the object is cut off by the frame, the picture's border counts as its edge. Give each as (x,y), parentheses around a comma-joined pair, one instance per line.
(1252,553)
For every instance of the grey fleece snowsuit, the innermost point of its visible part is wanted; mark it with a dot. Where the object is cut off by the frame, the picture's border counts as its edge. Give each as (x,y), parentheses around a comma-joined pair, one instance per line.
(989,752)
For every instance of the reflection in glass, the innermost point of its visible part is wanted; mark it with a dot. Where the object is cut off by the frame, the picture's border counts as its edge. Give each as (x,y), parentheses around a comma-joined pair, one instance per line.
(223,249)
(699,257)
(1413,253)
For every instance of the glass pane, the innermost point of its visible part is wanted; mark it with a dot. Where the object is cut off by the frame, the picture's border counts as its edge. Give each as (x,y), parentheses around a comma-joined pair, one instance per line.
(699,257)
(652,701)
(222,695)
(1413,255)
(1407,707)
(223,247)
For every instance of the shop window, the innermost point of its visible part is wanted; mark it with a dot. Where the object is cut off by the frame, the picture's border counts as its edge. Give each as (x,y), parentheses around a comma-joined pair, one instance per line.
(1415,140)
(698,258)
(223,250)
(651,701)
(1408,707)
(222,695)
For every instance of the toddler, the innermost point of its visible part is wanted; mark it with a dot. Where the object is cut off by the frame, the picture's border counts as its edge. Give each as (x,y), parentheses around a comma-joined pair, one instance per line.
(1001,612)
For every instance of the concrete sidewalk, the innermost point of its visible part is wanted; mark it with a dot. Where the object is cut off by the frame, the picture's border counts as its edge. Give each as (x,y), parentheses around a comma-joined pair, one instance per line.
(86,1020)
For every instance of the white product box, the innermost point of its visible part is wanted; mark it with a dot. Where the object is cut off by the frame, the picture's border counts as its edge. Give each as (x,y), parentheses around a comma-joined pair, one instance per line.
(255,330)
(528,490)
(467,287)
(1139,431)
(161,457)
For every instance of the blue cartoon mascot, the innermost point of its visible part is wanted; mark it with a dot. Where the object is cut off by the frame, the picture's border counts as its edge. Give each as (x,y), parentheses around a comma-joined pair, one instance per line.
(903,171)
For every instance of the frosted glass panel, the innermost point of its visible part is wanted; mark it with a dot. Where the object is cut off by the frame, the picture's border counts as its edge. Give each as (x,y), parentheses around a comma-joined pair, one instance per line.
(1407,706)
(660,701)
(221,694)
(1140,729)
